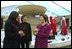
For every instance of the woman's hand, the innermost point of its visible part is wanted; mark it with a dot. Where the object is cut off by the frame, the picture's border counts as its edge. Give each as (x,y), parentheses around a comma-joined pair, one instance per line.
(36,31)
(21,33)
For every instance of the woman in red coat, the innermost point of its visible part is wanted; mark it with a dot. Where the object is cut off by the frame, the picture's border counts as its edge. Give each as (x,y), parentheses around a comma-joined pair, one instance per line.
(53,24)
(63,26)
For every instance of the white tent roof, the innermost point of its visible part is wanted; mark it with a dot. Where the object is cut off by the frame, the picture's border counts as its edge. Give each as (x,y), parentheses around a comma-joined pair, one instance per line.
(55,8)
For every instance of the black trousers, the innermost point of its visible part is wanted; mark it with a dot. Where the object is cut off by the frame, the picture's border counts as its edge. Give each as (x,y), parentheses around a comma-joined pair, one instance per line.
(25,43)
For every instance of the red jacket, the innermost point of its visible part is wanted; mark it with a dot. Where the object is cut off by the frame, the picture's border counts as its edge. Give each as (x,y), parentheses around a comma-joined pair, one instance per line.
(53,24)
(63,27)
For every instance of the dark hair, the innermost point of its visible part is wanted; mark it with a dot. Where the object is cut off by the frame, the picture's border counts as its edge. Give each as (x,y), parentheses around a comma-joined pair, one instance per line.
(23,17)
(13,15)
(45,17)
(50,17)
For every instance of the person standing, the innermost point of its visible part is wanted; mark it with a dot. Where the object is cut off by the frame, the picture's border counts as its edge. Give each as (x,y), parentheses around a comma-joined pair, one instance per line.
(53,25)
(12,31)
(42,31)
(26,27)
(63,26)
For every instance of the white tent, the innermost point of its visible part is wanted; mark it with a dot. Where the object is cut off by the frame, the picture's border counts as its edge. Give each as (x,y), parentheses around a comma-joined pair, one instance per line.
(55,8)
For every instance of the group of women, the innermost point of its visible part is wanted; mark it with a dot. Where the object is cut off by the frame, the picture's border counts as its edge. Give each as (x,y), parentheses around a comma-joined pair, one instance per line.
(18,35)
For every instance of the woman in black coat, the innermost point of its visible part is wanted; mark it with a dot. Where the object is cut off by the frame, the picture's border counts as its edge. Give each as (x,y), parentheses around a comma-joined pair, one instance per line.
(12,32)
(26,28)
